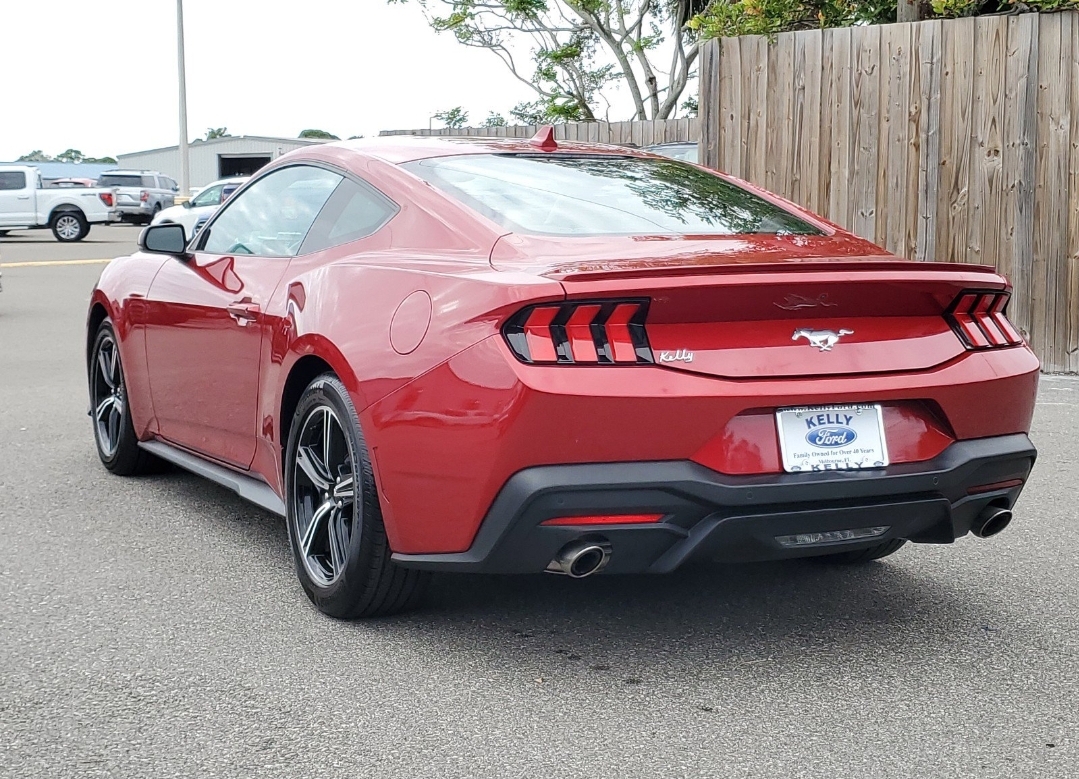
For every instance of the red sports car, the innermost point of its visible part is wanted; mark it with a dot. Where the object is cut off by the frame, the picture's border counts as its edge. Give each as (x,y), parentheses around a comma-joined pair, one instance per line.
(518,356)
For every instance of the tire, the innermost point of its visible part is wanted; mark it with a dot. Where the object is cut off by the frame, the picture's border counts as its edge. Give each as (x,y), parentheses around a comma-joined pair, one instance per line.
(863,555)
(69,226)
(3,233)
(114,433)
(334,519)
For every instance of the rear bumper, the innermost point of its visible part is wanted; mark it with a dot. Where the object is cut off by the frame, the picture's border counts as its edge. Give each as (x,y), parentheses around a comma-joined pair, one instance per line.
(734,519)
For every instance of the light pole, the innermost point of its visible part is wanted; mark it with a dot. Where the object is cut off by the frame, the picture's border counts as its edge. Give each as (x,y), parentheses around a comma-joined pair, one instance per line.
(185,168)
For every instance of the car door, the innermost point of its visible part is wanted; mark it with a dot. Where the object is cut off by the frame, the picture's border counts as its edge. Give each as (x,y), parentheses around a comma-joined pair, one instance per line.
(16,199)
(204,316)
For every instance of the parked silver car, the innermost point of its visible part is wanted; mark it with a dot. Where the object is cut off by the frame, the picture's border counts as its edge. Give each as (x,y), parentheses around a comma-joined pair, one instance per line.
(141,194)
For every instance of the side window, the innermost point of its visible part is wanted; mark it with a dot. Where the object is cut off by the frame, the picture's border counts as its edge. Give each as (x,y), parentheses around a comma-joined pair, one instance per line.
(12,179)
(150,182)
(354,211)
(210,196)
(271,217)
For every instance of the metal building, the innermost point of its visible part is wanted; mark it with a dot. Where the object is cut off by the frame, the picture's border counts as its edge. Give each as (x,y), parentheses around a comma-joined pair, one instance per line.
(239,155)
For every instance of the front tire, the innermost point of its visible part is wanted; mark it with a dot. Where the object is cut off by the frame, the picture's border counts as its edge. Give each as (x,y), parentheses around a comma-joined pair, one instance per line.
(70,226)
(114,433)
(334,519)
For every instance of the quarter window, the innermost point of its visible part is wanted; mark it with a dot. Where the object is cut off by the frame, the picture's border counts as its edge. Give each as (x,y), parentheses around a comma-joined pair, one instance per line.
(12,179)
(271,217)
(211,196)
(354,211)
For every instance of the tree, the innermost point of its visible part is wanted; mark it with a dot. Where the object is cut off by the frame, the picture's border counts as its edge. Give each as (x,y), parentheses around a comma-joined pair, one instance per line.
(452,117)
(494,120)
(578,47)
(71,155)
(319,134)
(217,132)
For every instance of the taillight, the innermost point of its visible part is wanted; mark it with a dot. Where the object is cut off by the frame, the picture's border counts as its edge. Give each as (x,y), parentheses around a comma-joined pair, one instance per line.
(144,196)
(106,198)
(596,332)
(977,317)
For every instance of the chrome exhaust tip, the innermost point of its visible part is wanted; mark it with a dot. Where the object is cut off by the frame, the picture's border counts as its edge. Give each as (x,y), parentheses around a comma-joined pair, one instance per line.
(579,559)
(991,521)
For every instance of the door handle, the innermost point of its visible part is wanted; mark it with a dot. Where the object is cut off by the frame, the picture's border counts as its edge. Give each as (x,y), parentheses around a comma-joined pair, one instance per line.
(244,311)
(22,197)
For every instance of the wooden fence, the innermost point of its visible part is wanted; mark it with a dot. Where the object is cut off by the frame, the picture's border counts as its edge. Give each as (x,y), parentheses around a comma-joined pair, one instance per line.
(941,140)
(642,133)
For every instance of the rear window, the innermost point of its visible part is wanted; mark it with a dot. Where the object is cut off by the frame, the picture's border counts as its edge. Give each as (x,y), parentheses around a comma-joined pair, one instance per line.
(604,195)
(12,179)
(120,180)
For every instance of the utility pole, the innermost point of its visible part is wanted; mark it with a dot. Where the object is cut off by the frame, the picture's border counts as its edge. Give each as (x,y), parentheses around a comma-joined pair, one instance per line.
(185,166)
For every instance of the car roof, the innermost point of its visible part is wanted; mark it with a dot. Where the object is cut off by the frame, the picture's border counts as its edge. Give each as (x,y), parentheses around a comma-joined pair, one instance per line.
(408,148)
(132,173)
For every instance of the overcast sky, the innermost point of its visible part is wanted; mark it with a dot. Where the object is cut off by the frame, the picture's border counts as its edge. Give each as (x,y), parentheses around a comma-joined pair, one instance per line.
(100,75)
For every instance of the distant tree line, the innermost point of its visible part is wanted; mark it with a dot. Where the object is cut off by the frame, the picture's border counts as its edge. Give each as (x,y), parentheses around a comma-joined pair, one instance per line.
(71,155)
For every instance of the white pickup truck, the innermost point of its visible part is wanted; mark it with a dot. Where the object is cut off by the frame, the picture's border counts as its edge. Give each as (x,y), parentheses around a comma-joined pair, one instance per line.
(25,205)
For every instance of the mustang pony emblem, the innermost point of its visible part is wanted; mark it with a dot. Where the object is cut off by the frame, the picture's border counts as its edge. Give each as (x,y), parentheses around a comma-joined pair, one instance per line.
(822,339)
(794,302)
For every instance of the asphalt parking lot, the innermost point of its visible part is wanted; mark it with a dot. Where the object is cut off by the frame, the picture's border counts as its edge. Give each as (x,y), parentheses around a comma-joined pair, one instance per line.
(154,627)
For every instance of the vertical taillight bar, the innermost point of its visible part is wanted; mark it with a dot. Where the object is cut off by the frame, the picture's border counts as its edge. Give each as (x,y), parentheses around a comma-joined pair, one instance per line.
(603,332)
(977,317)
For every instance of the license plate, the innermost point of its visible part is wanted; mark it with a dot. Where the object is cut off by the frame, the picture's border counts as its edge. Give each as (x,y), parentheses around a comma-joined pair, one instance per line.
(832,438)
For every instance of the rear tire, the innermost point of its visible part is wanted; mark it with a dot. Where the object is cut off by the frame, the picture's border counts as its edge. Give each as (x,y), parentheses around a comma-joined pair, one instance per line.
(863,555)
(114,433)
(69,226)
(334,519)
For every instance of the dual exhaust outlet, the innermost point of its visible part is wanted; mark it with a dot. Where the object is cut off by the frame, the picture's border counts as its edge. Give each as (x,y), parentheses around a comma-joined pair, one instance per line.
(579,559)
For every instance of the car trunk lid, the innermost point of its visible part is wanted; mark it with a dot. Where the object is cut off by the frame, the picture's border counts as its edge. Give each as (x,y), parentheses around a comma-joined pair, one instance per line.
(776,306)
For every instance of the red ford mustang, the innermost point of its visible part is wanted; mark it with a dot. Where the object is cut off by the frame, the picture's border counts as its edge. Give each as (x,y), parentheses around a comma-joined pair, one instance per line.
(518,356)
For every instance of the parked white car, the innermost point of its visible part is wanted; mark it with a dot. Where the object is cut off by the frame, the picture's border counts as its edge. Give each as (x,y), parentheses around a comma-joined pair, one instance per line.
(195,212)
(25,204)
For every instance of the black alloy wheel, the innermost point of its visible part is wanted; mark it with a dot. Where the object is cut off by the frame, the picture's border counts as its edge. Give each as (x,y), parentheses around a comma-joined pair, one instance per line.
(114,432)
(324,494)
(334,519)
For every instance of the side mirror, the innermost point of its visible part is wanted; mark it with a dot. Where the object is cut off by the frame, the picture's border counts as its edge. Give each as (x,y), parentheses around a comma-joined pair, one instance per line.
(186,203)
(164,239)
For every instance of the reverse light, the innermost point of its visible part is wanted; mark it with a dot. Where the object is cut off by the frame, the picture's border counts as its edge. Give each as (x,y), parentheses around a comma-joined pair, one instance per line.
(978,318)
(596,332)
(106,198)
(605,519)
(831,536)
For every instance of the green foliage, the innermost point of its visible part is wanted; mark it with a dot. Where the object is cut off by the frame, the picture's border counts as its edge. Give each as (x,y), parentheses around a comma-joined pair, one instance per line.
(494,120)
(725,18)
(690,105)
(321,135)
(952,9)
(217,132)
(1047,6)
(452,117)
(70,155)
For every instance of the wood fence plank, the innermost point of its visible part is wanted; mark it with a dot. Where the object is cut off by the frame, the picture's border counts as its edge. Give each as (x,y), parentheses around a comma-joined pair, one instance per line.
(865,106)
(808,150)
(892,162)
(727,155)
(957,52)
(929,59)
(987,119)
(757,133)
(911,174)
(840,208)
(1050,203)
(1071,335)
(824,126)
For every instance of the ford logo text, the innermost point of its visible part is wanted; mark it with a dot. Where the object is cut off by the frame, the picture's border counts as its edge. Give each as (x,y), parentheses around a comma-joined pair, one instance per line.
(831,437)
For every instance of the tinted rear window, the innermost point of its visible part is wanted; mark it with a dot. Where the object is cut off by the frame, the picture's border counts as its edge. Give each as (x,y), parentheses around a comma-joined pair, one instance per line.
(119,180)
(12,179)
(604,195)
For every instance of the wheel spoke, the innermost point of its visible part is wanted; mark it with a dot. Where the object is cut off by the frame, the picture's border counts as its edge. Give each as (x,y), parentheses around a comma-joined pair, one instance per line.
(104,406)
(114,426)
(344,492)
(320,515)
(335,530)
(106,370)
(314,470)
(327,419)
(114,366)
